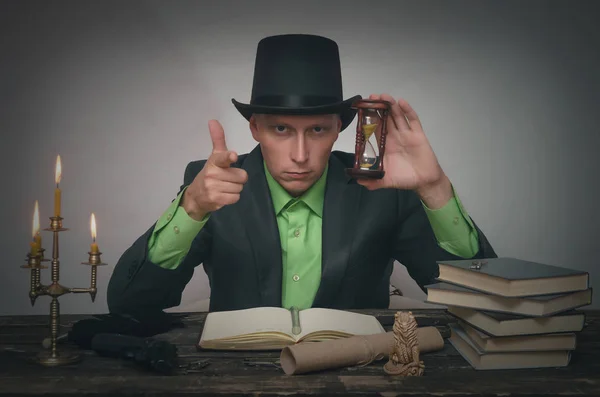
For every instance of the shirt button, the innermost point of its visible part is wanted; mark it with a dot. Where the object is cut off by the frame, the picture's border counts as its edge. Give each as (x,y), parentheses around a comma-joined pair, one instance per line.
(169,217)
(297,232)
(176,229)
(455,220)
(296,277)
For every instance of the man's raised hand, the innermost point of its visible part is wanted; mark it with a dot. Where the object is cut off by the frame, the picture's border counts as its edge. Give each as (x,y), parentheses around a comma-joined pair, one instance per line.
(409,161)
(218,184)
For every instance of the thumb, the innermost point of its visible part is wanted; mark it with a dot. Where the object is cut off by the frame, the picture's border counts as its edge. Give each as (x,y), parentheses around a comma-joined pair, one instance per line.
(217,136)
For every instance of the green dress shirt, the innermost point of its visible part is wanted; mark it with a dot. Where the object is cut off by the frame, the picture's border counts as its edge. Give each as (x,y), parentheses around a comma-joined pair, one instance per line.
(299,221)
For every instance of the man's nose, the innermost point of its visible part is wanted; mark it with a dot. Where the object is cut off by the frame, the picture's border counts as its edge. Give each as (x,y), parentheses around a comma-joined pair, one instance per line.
(299,151)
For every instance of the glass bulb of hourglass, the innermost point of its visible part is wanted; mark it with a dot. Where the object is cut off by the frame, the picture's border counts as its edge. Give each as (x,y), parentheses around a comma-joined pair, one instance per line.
(368,157)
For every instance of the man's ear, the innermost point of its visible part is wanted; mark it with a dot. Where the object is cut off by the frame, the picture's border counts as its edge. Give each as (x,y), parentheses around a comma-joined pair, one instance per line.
(253,127)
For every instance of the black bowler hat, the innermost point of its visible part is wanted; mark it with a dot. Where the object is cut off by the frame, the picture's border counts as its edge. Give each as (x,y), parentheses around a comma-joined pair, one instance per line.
(298,74)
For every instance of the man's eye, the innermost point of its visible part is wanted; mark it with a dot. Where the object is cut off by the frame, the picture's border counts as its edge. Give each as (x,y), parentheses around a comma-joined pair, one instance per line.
(319,129)
(280,128)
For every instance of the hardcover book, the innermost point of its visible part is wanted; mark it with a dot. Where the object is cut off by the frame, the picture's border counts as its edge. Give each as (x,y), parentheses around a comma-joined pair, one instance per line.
(480,360)
(511,277)
(545,342)
(545,305)
(504,324)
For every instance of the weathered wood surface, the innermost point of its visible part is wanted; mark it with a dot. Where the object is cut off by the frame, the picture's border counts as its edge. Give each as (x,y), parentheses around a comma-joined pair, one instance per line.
(228,373)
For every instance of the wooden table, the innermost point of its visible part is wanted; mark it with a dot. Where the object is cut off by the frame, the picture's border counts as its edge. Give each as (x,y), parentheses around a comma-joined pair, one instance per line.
(446,372)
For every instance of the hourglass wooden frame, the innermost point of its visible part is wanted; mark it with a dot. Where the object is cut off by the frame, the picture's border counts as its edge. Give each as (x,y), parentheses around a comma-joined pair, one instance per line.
(382,108)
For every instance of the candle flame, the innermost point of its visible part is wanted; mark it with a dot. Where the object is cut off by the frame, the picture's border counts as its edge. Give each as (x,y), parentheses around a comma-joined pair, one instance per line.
(36,220)
(93,227)
(58,172)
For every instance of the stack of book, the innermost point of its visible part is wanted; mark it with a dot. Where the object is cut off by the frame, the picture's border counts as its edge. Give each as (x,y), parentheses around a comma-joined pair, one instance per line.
(512,313)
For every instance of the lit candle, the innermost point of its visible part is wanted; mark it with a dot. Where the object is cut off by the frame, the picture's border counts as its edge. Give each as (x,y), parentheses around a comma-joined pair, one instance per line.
(36,244)
(94,247)
(57,193)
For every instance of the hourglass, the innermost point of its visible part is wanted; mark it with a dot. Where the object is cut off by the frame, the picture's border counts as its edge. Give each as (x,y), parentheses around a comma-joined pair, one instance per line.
(372,115)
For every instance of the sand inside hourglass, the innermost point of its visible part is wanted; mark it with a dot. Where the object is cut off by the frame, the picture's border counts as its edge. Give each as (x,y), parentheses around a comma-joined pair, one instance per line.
(368,130)
(368,157)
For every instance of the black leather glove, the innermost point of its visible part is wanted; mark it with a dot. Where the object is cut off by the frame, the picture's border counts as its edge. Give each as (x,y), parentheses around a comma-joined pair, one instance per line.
(141,325)
(128,337)
(149,353)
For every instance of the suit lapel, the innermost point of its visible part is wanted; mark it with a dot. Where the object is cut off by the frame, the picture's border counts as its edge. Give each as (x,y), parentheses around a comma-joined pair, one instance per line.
(259,221)
(342,199)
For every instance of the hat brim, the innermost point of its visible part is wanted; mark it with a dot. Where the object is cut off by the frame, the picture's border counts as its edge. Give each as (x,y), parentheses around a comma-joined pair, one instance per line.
(342,108)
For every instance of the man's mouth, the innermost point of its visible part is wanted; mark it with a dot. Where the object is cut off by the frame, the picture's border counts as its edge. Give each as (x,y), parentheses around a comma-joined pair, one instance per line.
(298,175)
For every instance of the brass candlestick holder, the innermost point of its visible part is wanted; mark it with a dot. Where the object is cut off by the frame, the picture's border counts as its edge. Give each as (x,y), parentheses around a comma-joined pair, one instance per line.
(54,357)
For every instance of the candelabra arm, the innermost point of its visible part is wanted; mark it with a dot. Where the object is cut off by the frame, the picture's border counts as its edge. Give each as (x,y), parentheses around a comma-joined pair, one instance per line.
(79,290)
(42,290)
(94,261)
(34,263)
(55,290)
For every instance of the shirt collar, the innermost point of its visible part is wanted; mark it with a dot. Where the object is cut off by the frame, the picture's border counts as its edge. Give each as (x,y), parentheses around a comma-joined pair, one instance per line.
(313,197)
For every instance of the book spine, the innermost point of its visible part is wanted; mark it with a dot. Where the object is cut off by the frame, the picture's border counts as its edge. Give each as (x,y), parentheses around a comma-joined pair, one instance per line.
(296,329)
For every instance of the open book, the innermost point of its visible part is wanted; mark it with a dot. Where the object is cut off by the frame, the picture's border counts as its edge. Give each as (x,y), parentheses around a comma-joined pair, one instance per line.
(273,328)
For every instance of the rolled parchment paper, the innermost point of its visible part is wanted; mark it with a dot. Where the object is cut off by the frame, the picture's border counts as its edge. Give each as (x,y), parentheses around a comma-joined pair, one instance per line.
(349,352)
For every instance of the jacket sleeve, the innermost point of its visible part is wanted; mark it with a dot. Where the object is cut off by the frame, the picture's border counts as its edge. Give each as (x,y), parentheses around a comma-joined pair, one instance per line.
(416,246)
(138,285)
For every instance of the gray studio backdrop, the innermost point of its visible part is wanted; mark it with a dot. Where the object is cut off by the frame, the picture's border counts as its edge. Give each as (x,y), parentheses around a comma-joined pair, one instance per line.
(508,94)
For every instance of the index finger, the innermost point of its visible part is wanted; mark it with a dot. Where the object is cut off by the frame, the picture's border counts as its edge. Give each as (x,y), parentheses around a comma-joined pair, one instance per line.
(410,113)
(397,113)
(217,136)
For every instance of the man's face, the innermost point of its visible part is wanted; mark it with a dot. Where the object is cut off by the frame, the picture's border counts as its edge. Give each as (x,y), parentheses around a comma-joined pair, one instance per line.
(295,148)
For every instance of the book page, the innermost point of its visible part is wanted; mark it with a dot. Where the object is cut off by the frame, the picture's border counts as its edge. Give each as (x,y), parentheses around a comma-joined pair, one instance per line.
(339,321)
(235,323)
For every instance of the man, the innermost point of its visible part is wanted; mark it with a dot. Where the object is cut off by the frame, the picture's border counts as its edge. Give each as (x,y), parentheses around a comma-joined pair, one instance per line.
(284,225)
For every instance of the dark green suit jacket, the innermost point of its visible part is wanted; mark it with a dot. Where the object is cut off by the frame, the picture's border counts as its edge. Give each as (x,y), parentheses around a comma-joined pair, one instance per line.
(363,233)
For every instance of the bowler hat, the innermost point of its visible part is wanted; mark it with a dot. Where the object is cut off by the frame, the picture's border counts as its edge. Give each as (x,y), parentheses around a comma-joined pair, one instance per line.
(298,74)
